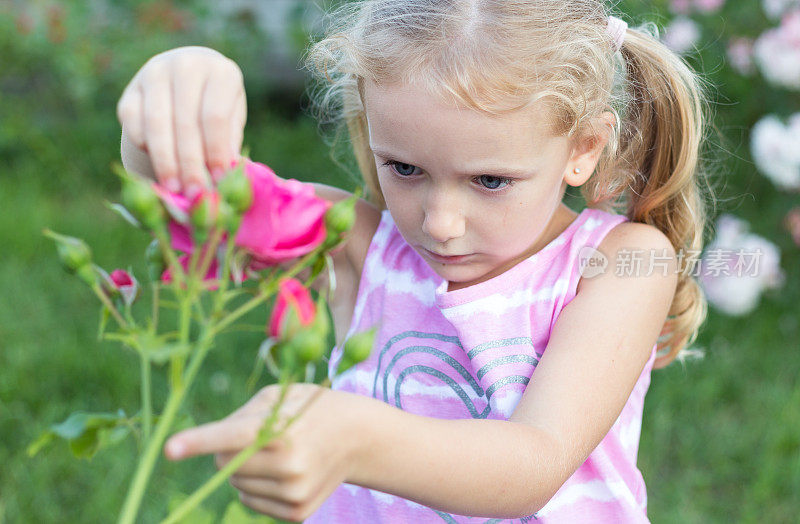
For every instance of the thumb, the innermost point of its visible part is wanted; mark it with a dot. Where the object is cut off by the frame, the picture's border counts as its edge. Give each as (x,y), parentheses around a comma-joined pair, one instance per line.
(226,435)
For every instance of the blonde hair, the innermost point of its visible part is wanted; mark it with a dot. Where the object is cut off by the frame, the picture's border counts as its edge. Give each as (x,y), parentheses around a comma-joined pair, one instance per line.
(498,56)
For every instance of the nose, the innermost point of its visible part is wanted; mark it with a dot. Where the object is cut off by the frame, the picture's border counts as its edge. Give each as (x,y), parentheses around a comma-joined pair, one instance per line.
(444,219)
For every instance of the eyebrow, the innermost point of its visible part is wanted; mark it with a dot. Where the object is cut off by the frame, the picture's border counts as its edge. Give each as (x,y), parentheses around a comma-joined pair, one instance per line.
(499,172)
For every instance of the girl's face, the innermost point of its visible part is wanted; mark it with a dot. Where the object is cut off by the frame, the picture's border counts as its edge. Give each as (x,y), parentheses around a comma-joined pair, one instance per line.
(484,189)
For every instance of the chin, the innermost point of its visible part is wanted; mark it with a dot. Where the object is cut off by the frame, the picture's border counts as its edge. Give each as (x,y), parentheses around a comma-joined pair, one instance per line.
(460,278)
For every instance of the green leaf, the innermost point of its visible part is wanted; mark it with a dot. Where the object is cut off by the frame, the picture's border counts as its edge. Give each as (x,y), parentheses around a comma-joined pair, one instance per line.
(237,513)
(124,213)
(198,515)
(86,433)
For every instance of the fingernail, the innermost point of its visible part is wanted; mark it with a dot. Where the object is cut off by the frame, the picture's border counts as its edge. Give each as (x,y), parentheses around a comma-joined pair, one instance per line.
(173,185)
(192,190)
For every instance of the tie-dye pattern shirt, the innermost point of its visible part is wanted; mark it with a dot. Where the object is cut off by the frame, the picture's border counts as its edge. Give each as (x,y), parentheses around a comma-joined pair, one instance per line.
(469,353)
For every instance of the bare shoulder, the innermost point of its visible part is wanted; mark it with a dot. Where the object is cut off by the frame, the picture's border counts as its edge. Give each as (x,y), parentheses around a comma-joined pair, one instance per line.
(635,251)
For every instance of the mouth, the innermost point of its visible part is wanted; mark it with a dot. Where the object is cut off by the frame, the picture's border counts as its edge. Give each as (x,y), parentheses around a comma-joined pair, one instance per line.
(442,259)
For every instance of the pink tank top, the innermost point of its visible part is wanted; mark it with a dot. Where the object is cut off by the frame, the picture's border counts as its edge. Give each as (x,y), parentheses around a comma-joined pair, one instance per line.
(469,353)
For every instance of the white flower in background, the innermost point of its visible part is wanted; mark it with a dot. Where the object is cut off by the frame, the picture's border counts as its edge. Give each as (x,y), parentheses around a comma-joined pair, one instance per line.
(738,266)
(776,150)
(776,8)
(681,34)
(740,54)
(777,52)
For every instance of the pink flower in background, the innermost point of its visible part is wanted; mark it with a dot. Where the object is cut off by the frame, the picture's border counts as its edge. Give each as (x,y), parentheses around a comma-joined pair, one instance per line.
(681,34)
(740,54)
(776,150)
(738,266)
(708,6)
(285,221)
(292,295)
(683,7)
(127,286)
(777,52)
(792,223)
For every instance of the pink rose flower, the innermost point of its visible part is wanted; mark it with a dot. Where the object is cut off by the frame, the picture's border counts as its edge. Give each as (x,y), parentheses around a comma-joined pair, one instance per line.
(285,221)
(127,286)
(292,296)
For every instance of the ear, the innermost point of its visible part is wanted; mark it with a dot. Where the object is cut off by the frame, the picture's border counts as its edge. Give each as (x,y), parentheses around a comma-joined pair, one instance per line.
(587,148)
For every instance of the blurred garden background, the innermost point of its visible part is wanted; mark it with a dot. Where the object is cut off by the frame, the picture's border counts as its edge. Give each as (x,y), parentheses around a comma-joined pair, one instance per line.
(721,434)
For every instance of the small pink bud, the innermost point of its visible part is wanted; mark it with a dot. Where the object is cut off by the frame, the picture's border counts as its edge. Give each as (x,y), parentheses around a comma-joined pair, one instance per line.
(126,284)
(293,304)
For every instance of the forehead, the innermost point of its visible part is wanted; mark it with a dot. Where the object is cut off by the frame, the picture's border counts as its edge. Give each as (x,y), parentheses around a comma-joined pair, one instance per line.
(405,117)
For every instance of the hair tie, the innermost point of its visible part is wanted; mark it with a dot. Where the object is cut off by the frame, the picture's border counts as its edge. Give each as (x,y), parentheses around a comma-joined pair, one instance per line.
(616,30)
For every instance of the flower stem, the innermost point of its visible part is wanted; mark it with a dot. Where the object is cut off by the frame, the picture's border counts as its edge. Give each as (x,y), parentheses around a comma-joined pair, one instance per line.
(106,302)
(147,410)
(147,461)
(178,274)
(156,298)
(223,276)
(208,254)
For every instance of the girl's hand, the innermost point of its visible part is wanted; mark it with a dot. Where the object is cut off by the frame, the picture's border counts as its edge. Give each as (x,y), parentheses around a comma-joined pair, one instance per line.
(296,472)
(186,109)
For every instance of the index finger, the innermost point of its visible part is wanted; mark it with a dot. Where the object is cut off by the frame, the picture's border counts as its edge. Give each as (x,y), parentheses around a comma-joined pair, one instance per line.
(222,436)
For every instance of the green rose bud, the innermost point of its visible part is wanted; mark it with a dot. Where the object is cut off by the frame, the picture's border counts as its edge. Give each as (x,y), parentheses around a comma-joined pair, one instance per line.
(227,218)
(73,252)
(357,348)
(143,203)
(204,214)
(88,274)
(341,216)
(308,345)
(236,189)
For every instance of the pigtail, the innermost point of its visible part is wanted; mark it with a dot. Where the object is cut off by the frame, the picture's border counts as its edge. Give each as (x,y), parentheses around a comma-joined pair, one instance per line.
(660,143)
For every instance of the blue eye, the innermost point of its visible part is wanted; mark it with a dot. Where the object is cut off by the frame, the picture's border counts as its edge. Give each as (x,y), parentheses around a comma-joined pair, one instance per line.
(494,182)
(400,167)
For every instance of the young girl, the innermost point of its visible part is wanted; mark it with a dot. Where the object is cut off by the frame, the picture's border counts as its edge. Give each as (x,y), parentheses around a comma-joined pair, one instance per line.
(516,336)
